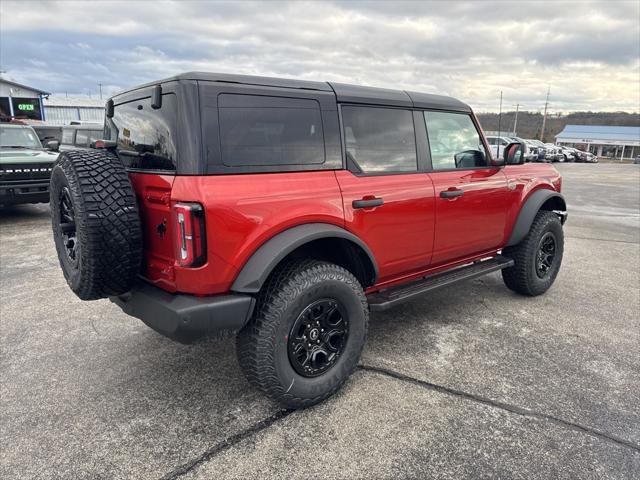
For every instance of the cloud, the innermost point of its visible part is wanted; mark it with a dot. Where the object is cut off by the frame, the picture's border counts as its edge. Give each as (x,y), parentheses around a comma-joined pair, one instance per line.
(589,52)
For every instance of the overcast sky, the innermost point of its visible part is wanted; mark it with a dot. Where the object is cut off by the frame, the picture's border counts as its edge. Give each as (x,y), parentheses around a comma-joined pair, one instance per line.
(589,52)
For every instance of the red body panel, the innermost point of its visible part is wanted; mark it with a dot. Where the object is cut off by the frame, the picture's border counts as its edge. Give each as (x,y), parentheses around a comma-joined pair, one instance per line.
(153,193)
(400,232)
(415,232)
(244,211)
(474,222)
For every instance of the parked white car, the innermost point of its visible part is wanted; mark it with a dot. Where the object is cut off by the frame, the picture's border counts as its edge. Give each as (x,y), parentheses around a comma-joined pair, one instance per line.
(497,144)
(568,153)
(554,153)
(542,150)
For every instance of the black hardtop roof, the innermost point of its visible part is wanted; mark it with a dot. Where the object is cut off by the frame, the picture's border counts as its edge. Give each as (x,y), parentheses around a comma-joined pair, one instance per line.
(345,93)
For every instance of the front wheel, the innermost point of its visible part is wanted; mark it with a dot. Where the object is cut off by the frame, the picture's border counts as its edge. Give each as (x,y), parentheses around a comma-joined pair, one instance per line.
(537,258)
(307,333)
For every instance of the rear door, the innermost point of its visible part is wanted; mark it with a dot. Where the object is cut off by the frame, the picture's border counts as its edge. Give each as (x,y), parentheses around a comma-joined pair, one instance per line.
(471,193)
(146,144)
(388,200)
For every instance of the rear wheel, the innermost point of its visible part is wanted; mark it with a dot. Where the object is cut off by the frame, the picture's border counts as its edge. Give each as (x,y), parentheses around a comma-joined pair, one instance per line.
(537,258)
(307,333)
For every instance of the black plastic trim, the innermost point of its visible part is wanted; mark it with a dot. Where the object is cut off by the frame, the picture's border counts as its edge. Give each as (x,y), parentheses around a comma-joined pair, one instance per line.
(528,213)
(386,299)
(186,318)
(256,270)
(368,203)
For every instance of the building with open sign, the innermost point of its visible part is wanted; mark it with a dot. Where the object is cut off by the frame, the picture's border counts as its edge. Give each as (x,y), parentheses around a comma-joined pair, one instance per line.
(20,101)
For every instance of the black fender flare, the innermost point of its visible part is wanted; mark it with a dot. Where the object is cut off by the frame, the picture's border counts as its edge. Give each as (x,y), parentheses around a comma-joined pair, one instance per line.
(529,211)
(255,271)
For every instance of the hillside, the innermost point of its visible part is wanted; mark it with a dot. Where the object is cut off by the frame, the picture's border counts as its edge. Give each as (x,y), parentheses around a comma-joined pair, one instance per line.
(529,124)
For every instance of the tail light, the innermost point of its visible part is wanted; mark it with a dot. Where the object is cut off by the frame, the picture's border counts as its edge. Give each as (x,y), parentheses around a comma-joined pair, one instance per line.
(191,248)
(104,144)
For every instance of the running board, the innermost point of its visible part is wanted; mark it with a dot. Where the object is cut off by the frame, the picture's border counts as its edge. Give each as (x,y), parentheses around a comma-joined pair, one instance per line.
(385,299)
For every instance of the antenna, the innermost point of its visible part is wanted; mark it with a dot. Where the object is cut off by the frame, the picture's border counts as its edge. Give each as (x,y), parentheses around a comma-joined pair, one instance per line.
(544,118)
(500,116)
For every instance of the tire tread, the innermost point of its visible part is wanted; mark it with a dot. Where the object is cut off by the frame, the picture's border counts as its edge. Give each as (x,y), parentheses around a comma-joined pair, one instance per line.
(256,342)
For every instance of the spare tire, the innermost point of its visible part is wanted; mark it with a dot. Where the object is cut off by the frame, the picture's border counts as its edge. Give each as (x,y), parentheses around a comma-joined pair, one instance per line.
(96,225)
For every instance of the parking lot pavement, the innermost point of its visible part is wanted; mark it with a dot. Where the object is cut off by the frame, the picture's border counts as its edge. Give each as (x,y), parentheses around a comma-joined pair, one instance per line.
(472,381)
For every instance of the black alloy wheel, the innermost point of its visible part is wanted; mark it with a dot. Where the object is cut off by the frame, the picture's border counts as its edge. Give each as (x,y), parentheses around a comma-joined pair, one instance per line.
(546,254)
(67,222)
(317,337)
(306,333)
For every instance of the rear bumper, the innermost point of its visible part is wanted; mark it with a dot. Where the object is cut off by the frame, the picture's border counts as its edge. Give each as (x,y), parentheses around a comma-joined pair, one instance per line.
(186,318)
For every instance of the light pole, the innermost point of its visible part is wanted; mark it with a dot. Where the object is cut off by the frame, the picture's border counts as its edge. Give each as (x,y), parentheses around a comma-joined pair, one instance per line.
(515,122)
(544,118)
(500,115)
(100,85)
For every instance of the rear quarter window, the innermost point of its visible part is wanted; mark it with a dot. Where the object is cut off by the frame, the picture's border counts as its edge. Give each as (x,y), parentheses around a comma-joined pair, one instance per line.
(67,136)
(258,130)
(82,138)
(145,137)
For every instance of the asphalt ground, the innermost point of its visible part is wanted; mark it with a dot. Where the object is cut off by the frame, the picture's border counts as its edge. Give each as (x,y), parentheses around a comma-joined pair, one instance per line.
(470,382)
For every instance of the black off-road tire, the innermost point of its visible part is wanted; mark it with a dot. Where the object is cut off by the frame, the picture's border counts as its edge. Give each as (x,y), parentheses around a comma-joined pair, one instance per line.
(523,277)
(262,346)
(108,232)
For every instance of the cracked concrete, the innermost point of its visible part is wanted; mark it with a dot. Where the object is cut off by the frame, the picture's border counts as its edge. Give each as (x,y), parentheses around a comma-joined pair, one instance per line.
(472,381)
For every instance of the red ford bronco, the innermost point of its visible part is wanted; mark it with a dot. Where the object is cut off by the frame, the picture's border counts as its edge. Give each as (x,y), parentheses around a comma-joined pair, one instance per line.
(286,210)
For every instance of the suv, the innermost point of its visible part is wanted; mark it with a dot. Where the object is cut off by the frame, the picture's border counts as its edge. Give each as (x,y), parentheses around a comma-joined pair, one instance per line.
(25,167)
(284,211)
(80,137)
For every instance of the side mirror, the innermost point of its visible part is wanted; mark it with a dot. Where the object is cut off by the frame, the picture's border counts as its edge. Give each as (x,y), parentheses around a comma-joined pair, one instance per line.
(52,145)
(514,153)
(470,159)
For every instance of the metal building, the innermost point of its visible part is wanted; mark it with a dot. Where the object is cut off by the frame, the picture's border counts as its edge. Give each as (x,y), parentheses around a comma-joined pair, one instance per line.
(62,110)
(602,140)
(20,101)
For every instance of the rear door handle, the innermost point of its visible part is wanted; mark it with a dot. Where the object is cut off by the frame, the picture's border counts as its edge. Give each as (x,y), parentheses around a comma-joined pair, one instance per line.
(451,193)
(368,203)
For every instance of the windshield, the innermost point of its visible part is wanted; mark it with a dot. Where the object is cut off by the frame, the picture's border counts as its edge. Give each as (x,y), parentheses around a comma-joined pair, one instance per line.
(11,137)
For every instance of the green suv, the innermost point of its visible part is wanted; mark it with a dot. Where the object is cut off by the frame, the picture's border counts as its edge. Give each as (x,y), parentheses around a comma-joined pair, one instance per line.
(25,166)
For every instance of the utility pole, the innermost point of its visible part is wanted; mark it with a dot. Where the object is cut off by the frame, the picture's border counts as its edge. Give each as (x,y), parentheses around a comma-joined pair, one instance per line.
(515,122)
(544,118)
(500,116)
(100,85)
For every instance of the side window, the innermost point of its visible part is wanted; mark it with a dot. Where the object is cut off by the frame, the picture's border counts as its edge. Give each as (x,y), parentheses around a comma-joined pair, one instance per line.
(67,136)
(94,135)
(261,130)
(380,140)
(454,141)
(492,140)
(82,138)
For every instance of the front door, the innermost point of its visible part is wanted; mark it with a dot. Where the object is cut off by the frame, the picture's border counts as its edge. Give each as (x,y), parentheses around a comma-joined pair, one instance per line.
(387,202)
(472,196)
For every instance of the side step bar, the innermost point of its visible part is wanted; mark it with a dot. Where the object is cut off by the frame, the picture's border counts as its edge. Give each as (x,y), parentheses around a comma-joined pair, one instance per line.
(385,299)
